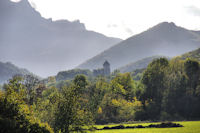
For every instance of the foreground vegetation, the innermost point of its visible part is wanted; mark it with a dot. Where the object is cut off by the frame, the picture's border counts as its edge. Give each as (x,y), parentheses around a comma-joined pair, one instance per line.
(166,91)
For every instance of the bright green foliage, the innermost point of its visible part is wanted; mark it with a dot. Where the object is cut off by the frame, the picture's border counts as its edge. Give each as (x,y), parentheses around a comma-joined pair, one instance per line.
(117,88)
(118,102)
(15,114)
(15,91)
(123,84)
(46,106)
(96,93)
(117,110)
(69,115)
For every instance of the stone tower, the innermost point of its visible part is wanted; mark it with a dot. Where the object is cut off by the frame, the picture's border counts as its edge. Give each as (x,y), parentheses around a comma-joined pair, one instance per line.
(106,68)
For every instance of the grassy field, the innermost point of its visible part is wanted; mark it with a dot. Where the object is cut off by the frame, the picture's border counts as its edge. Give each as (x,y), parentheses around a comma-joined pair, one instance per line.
(189,127)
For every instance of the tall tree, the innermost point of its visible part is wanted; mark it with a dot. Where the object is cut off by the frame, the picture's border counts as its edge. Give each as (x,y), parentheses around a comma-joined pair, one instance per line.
(192,70)
(69,116)
(154,79)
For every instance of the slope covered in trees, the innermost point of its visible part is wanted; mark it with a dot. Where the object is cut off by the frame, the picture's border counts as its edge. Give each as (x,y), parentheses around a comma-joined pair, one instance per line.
(8,70)
(71,74)
(192,54)
(165,39)
(140,64)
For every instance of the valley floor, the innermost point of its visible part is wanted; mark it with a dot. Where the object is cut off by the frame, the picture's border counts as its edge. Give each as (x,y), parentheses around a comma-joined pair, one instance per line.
(189,127)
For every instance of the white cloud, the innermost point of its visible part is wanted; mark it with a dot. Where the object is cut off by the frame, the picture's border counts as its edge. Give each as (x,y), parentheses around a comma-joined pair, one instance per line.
(15,0)
(138,15)
(194,10)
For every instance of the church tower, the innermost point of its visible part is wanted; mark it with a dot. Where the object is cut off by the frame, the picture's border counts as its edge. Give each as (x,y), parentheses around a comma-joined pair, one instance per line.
(106,68)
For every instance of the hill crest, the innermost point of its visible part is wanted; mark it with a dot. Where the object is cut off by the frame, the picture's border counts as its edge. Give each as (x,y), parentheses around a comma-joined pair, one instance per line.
(165,39)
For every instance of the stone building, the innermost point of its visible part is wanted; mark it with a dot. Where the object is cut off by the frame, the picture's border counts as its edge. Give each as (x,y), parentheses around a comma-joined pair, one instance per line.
(105,71)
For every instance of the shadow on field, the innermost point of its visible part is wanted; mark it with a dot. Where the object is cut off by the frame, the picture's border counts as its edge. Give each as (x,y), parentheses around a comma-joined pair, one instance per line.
(162,125)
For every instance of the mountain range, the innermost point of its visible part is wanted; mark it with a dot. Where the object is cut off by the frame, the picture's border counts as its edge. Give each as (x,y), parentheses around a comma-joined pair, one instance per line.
(166,39)
(44,46)
(7,70)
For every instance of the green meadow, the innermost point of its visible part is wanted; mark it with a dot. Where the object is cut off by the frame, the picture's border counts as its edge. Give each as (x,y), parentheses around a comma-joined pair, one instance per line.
(189,127)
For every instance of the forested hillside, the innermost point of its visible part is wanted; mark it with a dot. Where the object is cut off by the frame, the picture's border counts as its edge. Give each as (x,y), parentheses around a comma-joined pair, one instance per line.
(193,55)
(140,64)
(8,70)
(71,74)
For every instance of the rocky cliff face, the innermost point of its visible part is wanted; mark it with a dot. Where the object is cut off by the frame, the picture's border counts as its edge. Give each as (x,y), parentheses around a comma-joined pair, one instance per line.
(42,45)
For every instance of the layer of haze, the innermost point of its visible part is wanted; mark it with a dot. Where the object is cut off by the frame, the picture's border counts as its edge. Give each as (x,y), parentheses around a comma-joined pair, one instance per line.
(122,18)
(45,47)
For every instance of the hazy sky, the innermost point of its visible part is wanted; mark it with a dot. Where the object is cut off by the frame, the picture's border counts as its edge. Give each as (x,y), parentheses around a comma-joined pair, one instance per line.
(122,18)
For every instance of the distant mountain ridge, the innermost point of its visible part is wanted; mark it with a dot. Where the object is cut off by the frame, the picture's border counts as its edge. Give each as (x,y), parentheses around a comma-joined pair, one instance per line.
(140,64)
(165,39)
(42,45)
(8,70)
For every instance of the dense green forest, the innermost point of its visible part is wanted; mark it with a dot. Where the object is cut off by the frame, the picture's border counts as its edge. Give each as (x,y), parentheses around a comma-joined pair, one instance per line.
(166,91)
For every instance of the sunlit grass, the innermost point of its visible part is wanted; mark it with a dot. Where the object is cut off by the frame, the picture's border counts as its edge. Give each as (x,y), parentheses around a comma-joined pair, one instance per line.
(189,127)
